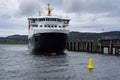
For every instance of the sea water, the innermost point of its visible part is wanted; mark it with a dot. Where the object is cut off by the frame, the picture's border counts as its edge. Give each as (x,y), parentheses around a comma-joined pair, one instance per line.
(17,63)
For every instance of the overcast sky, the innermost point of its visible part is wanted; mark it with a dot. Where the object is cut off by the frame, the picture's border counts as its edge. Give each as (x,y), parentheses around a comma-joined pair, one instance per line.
(85,15)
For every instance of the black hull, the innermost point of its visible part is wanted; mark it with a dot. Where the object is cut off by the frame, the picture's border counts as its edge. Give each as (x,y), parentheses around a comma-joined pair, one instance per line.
(48,43)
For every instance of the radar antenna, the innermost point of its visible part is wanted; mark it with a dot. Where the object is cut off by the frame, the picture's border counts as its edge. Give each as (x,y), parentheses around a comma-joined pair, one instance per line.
(49,10)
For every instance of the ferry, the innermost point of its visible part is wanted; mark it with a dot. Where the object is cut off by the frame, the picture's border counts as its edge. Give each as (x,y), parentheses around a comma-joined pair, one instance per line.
(48,34)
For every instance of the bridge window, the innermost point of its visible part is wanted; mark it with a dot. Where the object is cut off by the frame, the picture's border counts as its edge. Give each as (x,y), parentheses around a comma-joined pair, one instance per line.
(59,20)
(52,19)
(42,19)
(66,21)
(39,19)
(33,20)
(46,19)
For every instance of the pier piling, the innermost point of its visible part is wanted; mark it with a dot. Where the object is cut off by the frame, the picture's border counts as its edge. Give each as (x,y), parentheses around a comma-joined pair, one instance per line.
(102,46)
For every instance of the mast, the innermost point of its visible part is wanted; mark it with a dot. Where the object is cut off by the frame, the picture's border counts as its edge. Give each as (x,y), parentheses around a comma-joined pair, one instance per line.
(39,13)
(49,10)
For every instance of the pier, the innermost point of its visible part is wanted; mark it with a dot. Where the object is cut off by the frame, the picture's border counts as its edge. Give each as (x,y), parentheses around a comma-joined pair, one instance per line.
(103,46)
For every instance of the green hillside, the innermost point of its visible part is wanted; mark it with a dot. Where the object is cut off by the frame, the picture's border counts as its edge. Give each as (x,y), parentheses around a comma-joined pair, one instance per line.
(14,39)
(23,39)
(91,36)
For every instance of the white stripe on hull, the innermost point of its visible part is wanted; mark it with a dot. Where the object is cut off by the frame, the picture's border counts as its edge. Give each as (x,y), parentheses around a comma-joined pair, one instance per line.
(35,31)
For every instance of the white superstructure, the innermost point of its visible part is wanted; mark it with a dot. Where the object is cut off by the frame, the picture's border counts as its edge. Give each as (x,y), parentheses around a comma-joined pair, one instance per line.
(47,24)
(48,34)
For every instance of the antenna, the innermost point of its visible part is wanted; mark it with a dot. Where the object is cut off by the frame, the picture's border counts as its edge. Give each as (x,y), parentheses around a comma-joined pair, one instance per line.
(39,13)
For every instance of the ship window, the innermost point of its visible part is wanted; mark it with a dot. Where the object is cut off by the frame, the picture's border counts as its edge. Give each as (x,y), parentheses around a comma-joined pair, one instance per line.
(54,19)
(43,19)
(40,20)
(55,25)
(66,21)
(48,25)
(45,25)
(52,26)
(35,25)
(32,20)
(63,26)
(59,20)
(40,25)
(46,19)
(50,19)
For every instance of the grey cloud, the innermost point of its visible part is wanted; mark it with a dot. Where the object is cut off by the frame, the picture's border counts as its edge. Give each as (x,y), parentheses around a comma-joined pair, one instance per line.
(94,28)
(29,7)
(92,6)
(4,23)
(72,5)
(57,3)
(5,16)
(100,9)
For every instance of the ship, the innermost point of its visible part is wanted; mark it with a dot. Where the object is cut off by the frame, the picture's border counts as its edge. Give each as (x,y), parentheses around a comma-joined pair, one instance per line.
(48,33)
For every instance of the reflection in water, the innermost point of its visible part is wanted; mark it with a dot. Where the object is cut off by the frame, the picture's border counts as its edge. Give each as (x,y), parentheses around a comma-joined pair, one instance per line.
(46,54)
(90,69)
(17,63)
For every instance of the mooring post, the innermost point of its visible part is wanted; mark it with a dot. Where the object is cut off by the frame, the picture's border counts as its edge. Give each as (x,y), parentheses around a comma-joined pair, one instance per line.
(68,45)
(100,49)
(89,46)
(86,46)
(110,47)
(76,45)
(72,45)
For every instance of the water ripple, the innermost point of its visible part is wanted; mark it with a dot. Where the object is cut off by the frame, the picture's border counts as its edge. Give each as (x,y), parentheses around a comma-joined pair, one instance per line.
(17,63)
